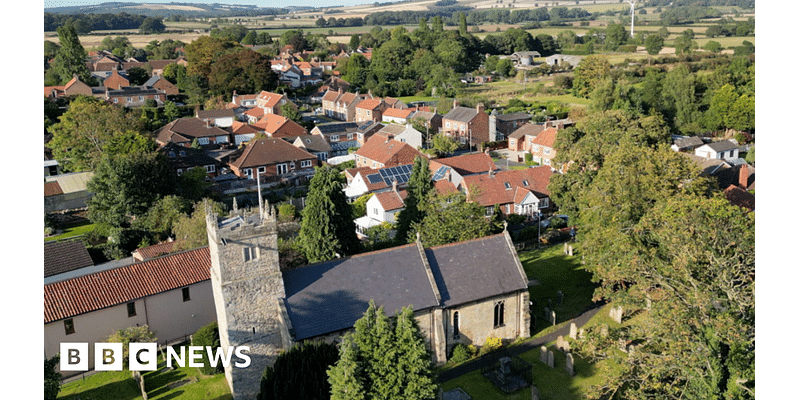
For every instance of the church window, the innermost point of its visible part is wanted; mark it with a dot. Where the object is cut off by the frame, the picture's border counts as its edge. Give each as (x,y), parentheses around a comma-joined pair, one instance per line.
(69,326)
(499,314)
(131,309)
(250,253)
(456,332)
(185,292)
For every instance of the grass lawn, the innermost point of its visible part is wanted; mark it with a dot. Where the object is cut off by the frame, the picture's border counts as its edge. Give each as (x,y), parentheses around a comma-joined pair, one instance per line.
(73,231)
(111,385)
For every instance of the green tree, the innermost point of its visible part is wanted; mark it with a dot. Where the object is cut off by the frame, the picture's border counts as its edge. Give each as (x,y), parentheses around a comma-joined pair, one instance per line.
(52,378)
(244,71)
(450,218)
(171,111)
(588,74)
(126,186)
(360,205)
(680,95)
(152,25)
(384,358)
(327,229)
(133,334)
(70,60)
(208,336)
(300,373)
(443,144)
(355,41)
(164,213)
(653,44)
(616,35)
(419,187)
(191,229)
(80,136)
(176,74)
(504,67)
(291,112)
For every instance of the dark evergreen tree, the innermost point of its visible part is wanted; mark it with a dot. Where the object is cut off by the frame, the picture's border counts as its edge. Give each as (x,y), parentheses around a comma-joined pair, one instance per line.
(327,229)
(300,373)
(52,378)
(70,59)
(419,185)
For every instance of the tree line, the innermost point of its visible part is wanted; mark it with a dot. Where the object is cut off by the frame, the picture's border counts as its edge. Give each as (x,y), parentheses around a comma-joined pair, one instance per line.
(85,23)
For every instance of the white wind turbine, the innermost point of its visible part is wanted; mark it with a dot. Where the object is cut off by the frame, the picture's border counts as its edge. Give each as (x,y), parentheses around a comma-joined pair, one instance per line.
(631,2)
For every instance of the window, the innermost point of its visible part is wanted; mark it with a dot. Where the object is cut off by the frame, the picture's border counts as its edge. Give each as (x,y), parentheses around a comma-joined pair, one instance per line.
(182,153)
(185,293)
(375,211)
(499,312)
(69,326)
(307,163)
(210,168)
(447,124)
(489,210)
(129,99)
(507,185)
(250,253)
(543,203)
(141,98)
(547,150)
(456,333)
(202,140)
(525,182)
(115,100)
(156,97)
(291,165)
(180,171)
(535,148)
(282,168)
(349,136)
(248,172)
(334,138)
(131,309)
(172,154)
(262,170)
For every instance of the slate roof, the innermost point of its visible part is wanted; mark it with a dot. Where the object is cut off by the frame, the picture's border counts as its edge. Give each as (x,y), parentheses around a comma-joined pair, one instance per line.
(186,157)
(476,269)
(527,130)
(336,128)
(722,145)
(461,114)
(331,296)
(60,257)
(513,116)
(222,113)
(112,287)
(688,142)
(270,151)
(313,143)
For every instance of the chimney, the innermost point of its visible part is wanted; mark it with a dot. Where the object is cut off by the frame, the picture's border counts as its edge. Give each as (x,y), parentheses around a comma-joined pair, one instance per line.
(744,175)
(394,186)
(480,107)
(455,103)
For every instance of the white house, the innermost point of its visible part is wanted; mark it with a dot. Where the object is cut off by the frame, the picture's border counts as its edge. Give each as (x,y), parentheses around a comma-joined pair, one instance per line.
(722,150)
(367,180)
(403,133)
(171,295)
(381,207)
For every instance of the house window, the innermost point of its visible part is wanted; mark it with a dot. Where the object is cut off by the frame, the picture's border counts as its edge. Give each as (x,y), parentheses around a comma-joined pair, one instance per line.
(507,185)
(116,100)
(543,203)
(547,150)
(375,211)
(262,170)
(156,97)
(210,168)
(129,99)
(499,314)
(185,293)
(508,208)
(291,165)
(202,140)
(334,138)
(131,309)
(307,163)
(489,210)
(525,183)
(69,326)
(141,98)
(248,172)
(250,253)
(180,171)
(282,168)
(349,136)
(172,154)
(456,332)
(535,148)
(447,124)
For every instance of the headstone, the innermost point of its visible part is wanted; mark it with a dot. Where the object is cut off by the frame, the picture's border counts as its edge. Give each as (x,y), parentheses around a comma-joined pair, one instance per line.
(573,330)
(550,359)
(534,393)
(505,366)
(562,344)
(553,317)
(616,314)
(560,297)
(566,250)
(581,333)
(547,313)
(570,367)
(604,330)
(569,252)
(648,303)
(543,354)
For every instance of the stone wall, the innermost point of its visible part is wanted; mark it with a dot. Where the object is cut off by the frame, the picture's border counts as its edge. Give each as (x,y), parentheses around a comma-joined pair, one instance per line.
(476,320)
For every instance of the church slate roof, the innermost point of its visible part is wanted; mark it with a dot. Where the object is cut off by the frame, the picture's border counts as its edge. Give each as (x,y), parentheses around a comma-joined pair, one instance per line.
(60,257)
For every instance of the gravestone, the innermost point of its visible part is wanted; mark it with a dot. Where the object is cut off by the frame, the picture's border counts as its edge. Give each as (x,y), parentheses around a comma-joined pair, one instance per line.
(566,250)
(560,297)
(573,330)
(581,333)
(547,313)
(550,359)
(648,303)
(604,330)
(570,367)
(534,393)
(562,344)
(616,314)
(553,317)
(505,366)
(569,252)
(543,354)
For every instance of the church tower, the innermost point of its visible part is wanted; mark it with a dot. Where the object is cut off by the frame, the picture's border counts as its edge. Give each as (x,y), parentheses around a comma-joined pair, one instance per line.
(248,287)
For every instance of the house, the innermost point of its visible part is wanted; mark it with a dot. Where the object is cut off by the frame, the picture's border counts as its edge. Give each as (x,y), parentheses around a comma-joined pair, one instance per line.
(135,96)
(183,131)
(379,152)
(467,125)
(462,292)
(72,88)
(340,135)
(65,256)
(363,180)
(115,81)
(522,58)
(686,143)
(182,159)
(721,150)
(397,115)
(273,158)
(243,100)
(171,295)
(404,133)
(334,83)
(542,147)
(65,192)
(316,145)
(370,110)
(241,132)
(521,140)
(366,130)
(342,105)
(157,66)
(276,126)
(382,208)
(271,103)
(431,120)
(220,118)
(506,124)
(160,83)
(522,191)
(454,169)
(563,60)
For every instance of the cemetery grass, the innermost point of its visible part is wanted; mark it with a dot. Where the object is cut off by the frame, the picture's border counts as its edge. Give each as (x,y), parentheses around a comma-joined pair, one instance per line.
(72,230)
(111,385)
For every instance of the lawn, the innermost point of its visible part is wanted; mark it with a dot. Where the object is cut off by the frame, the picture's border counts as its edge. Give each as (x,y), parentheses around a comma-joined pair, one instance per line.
(73,231)
(111,385)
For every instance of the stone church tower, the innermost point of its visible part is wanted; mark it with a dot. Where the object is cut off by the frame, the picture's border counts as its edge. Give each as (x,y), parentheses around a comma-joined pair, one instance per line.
(248,287)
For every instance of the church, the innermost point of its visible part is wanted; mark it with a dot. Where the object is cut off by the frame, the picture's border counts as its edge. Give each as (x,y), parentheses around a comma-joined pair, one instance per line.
(462,292)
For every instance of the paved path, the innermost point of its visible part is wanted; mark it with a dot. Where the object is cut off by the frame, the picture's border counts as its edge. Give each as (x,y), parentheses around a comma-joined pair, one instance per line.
(475,364)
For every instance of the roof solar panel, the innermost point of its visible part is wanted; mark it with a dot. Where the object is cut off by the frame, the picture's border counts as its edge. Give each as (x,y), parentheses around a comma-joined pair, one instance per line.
(440,173)
(374,178)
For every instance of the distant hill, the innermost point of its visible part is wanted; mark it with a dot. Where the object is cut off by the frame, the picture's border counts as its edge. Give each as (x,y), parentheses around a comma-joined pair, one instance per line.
(167,9)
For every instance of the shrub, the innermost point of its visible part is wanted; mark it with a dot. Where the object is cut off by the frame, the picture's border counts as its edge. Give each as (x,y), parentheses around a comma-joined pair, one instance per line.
(208,336)
(286,212)
(461,353)
(557,222)
(491,344)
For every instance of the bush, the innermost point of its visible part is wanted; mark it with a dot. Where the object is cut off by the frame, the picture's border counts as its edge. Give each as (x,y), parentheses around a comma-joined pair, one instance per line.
(286,212)
(627,48)
(208,336)
(491,345)
(461,353)
(557,222)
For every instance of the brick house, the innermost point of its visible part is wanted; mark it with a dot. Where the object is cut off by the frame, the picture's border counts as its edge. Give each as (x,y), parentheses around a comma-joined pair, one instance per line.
(467,125)
(159,82)
(341,136)
(276,126)
(273,158)
(379,152)
(370,110)
(522,191)
(342,105)
(521,139)
(73,87)
(506,124)
(454,169)
(135,96)
(115,81)
(183,159)
(184,131)
(271,102)
(542,147)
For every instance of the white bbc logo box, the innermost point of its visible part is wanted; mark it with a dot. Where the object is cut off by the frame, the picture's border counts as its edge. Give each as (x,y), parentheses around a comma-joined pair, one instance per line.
(108,356)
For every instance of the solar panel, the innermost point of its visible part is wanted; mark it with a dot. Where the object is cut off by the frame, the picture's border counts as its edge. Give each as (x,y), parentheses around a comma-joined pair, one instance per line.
(439,174)
(401,174)
(374,178)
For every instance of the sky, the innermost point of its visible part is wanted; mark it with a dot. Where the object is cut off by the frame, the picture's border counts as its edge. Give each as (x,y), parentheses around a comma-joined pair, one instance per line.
(273,3)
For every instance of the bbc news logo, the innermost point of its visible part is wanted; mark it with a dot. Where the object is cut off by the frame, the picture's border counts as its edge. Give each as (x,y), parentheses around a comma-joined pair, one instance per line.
(144,356)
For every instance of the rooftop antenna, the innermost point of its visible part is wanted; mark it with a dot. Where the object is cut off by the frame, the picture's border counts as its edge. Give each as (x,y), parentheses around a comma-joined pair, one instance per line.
(631,2)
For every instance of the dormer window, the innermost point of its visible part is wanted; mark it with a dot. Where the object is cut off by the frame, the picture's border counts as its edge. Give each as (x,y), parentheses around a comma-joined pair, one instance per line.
(525,182)
(508,185)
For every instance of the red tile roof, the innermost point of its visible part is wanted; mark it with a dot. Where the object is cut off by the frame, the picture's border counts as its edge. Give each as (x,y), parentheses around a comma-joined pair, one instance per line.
(52,189)
(490,189)
(391,200)
(121,285)
(277,126)
(547,138)
(390,152)
(268,99)
(467,164)
(369,104)
(154,251)
(740,197)
(270,151)
(397,113)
